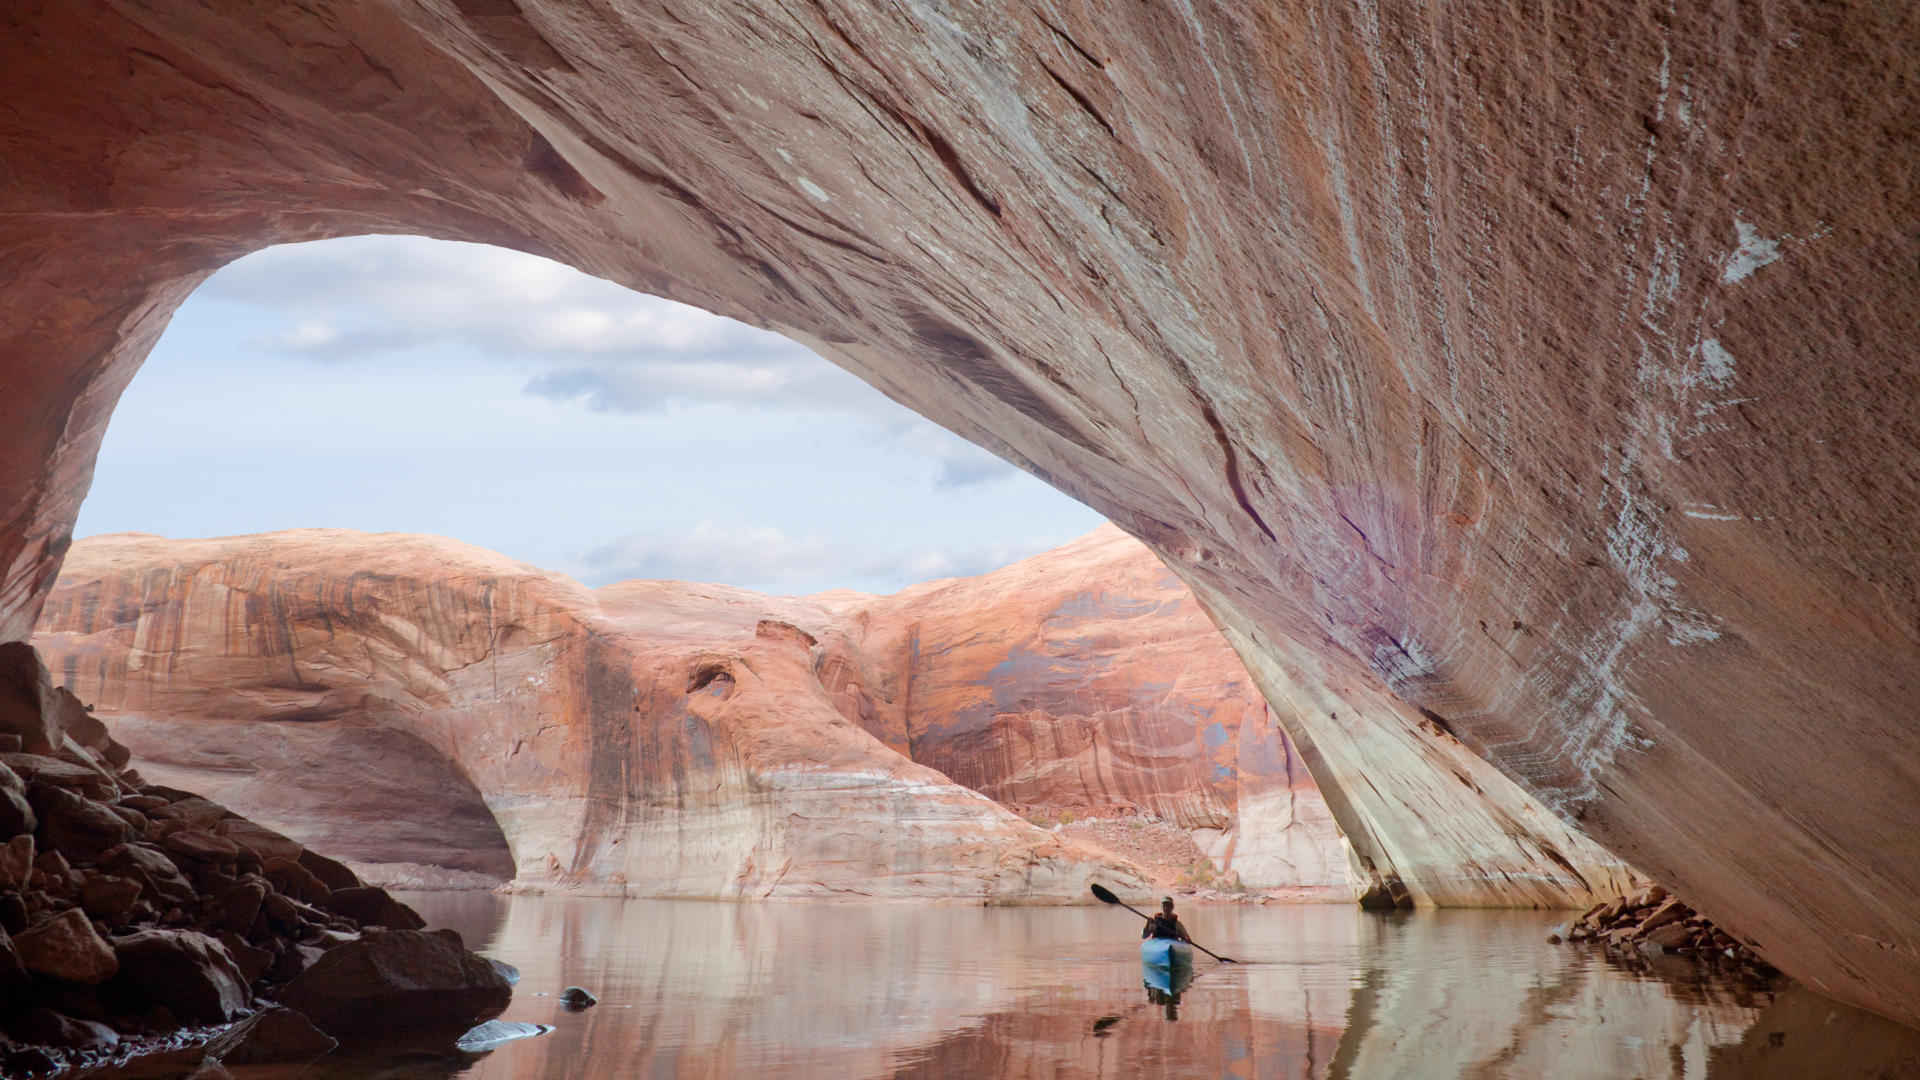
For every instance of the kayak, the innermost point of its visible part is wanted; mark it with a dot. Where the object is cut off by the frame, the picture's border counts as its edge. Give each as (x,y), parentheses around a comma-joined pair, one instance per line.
(1166,965)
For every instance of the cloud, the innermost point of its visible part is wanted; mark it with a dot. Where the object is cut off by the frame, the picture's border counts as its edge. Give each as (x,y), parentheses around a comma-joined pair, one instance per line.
(438,309)
(769,560)
(374,298)
(957,462)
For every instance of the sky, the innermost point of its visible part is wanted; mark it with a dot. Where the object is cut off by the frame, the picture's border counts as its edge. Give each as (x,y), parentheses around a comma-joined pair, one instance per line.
(389,383)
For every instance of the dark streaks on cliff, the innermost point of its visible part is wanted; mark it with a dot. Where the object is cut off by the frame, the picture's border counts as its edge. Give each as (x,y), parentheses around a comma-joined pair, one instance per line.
(609,702)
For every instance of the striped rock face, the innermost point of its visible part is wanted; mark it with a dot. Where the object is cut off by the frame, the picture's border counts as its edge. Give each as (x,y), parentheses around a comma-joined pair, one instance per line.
(456,716)
(1541,380)
(437,709)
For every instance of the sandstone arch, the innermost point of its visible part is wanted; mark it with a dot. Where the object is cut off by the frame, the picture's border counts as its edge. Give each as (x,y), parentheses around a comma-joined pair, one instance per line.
(1550,373)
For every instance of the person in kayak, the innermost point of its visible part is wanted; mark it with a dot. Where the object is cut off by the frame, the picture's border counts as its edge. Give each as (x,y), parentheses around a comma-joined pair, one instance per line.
(1166,924)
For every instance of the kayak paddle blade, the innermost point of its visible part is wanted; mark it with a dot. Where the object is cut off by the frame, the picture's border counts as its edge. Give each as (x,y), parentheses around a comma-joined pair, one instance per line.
(1102,895)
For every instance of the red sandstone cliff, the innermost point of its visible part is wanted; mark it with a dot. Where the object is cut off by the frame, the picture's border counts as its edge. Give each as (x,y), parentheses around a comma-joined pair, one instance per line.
(363,691)
(1536,378)
(392,696)
(396,696)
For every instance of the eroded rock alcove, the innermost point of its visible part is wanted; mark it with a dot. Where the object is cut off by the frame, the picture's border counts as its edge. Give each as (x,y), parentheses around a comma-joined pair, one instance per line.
(1541,381)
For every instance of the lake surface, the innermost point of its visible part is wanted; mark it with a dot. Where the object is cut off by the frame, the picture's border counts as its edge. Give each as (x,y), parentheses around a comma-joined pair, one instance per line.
(787,991)
(781,991)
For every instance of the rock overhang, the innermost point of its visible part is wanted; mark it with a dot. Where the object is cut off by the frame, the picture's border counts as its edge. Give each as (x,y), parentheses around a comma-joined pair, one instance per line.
(1467,366)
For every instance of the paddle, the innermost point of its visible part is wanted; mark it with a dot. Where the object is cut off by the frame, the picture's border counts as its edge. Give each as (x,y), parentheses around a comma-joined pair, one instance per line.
(1107,897)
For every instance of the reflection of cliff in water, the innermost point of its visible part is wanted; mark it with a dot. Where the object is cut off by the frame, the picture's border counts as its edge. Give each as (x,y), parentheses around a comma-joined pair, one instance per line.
(1420,1007)
(781,991)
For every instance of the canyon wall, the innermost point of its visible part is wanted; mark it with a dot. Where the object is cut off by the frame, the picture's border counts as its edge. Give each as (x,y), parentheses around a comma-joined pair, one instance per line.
(1542,378)
(392,696)
(397,695)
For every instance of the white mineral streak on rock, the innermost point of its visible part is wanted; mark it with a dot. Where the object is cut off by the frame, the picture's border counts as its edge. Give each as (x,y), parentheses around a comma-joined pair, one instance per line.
(1754,251)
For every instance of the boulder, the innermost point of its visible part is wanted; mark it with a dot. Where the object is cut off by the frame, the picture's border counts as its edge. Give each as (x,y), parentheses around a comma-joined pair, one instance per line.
(263,842)
(292,960)
(27,706)
(132,817)
(190,810)
(1672,911)
(201,846)
(166,794)
(400,979)
(291,916)
(50,864)
(44,1027)
(294,878)
(16,814)
(86,730)
(109,897)
(253,961)
(331,873)
(16,863)
(370,905)
(66,947)
(79,828)
(151,867)
(13,912)
(1669,935)
(14,979)
(187,971)
(276,1036)
(64,774)
(239,904)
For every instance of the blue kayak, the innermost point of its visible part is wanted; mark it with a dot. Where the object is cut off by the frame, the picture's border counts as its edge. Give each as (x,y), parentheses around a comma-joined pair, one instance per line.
(1166,965)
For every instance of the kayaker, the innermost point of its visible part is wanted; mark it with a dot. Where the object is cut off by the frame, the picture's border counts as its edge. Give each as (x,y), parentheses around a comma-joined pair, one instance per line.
(1166,924)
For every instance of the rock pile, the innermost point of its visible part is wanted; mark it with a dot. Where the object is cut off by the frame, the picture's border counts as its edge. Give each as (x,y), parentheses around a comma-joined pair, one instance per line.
(1652,923)
(130,913)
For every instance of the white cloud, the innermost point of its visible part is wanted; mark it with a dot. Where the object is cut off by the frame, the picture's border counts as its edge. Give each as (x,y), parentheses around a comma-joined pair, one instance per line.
(521,406)
(375,298)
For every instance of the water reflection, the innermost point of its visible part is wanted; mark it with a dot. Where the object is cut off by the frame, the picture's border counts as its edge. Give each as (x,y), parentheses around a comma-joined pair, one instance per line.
(783,991)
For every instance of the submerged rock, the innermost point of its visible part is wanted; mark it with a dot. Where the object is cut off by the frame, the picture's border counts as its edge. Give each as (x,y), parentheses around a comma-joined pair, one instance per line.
(275,1036)
(496,1033)
(574,997)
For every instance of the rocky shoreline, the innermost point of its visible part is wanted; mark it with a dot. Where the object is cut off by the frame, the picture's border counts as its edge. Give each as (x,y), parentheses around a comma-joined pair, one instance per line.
(137,918)
(1651,923)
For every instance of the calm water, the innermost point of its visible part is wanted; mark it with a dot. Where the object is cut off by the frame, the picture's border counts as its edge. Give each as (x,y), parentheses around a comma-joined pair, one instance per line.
(783,991)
